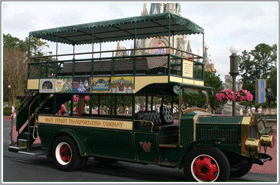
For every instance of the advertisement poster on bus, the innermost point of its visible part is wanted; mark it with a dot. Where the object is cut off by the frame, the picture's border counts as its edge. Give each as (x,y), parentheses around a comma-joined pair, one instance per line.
(100,84)
(47,86)
(63,85)
(81,85)
(122,84)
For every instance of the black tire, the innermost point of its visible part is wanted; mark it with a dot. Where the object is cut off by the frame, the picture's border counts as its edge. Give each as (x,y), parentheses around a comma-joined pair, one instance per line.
(244,167)
(206,163)
(65,154)
(105,160)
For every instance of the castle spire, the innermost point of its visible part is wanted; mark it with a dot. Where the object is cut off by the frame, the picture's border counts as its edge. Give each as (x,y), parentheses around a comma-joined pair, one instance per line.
(189,49)
(144,11)
(205,55)
(155,8)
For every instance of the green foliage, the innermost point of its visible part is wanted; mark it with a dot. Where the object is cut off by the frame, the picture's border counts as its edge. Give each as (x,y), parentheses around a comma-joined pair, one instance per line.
(13,42)
(7,112)
(213,80)
(15,58)
(272,81)
(259,63)
(194,99)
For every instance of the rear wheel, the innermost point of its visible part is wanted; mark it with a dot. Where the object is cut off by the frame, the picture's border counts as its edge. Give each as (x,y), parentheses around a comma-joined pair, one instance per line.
(206,164)
(65,154)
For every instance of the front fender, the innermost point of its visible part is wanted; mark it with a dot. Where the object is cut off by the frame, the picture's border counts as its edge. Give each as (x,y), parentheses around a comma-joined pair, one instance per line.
(83,149)
(197,143)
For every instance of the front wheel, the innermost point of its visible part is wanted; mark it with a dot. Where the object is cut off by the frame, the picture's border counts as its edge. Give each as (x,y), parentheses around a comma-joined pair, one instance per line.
(206,164)
(65,154)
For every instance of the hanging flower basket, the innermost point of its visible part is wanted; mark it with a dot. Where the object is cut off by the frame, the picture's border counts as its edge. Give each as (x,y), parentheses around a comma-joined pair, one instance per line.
(243,95)
(228,95)
(225,95)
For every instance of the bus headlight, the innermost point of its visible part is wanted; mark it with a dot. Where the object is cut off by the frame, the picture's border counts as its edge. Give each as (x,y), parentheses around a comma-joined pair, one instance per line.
(253,144)
(267,140)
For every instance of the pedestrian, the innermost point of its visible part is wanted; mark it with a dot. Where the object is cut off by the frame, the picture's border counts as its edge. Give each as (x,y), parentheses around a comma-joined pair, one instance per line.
(241,111)
(248,110)
(253,109)
(14,114)
(260,110)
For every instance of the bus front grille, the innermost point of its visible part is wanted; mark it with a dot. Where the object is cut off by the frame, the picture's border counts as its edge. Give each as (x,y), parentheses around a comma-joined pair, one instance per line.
(227,135)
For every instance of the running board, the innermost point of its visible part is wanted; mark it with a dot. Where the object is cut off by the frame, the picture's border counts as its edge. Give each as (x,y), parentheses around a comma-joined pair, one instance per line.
(33,153)
(16,148)
(20,149)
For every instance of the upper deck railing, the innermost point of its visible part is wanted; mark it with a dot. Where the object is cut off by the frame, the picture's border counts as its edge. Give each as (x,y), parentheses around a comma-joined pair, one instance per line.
(142,62)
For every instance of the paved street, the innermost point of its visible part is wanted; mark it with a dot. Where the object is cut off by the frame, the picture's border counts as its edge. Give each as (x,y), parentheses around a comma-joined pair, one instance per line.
(21,168)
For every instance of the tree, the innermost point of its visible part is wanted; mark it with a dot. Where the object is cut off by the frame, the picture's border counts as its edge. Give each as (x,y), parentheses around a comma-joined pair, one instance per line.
(15,58)
(263,59)
(14,73)
(257,64)
(14,42)
(213,80)
(272,81)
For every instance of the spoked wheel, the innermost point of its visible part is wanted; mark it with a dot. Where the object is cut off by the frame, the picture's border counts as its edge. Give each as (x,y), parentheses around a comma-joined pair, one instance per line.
(65,154)
(205,168)
(206,164)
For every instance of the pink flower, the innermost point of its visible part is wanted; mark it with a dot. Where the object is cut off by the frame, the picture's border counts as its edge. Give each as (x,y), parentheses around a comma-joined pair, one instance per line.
(243,95)
(87,98)
(76,98)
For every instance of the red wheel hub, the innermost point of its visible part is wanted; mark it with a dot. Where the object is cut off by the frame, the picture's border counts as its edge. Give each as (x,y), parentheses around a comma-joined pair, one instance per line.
(65,153)
(205,168)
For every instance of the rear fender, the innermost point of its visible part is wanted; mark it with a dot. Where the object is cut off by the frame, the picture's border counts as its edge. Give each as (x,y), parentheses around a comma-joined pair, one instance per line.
(83,149)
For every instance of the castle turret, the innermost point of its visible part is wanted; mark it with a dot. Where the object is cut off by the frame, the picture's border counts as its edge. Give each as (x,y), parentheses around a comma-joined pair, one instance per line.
(207,61)
(144,11)
(155,8)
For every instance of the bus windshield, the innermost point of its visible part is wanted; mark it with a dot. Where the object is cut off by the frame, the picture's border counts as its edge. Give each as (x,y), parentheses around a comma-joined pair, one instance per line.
(194,98)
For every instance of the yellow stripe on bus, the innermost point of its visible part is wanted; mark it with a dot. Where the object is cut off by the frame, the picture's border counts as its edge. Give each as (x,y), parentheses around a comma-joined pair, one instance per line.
(110,124)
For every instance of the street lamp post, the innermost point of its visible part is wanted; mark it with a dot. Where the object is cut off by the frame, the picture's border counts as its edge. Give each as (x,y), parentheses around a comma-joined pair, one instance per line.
(12,115)
(233,72)
(9,95)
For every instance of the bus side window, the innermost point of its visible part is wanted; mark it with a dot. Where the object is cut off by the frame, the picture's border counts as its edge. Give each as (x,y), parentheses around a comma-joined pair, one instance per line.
(63,105)
(123,105)
(94,105)
(81,104)
(105,105)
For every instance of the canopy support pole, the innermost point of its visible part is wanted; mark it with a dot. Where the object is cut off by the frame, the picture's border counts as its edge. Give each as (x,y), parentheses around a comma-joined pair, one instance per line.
(203,46)
(29,46)
(92,49)
(73,51)
(100,51)
(73,66)
(56,49)
(134,71)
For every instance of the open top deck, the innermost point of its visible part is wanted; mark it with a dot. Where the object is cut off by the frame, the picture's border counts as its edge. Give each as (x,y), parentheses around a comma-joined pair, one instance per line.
(142,67)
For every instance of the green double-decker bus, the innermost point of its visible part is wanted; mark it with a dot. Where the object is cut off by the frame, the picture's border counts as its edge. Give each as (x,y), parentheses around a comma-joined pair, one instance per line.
(149,106)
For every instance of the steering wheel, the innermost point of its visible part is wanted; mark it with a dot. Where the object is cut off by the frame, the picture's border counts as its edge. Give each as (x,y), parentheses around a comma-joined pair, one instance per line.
(193,109)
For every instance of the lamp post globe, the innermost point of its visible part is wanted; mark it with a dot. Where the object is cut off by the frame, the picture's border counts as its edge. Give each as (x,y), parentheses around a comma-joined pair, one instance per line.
(233,49)
(234,72)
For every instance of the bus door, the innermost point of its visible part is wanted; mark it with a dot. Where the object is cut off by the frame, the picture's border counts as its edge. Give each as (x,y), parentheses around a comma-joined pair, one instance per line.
(147,146)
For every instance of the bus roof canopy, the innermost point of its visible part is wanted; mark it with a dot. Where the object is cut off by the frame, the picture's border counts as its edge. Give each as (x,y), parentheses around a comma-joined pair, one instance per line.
(163,24)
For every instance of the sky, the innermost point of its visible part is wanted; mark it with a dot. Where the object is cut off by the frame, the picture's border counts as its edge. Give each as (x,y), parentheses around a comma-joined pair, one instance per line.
(245,24)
